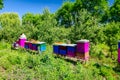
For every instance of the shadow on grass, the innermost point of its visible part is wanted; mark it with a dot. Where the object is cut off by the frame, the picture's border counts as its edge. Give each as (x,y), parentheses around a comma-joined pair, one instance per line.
(117,68)
(67,59)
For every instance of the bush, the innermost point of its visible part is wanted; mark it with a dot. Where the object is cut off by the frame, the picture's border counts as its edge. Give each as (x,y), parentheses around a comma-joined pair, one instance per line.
(107,72)
(100,50)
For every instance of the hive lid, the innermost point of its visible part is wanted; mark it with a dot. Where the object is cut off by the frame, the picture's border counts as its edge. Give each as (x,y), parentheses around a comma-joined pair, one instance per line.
(23,36)
(35,42)
(72,45)
(27,41)
(40,42)
(82,41)
(63,44)
(58,43)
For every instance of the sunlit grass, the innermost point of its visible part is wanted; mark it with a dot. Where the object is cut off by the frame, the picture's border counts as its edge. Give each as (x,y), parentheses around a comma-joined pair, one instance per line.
(23,64)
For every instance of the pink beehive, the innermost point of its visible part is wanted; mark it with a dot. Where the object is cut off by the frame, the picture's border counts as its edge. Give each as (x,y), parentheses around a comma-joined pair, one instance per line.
(22,40)
(119,55)
(83,46)
(84,56)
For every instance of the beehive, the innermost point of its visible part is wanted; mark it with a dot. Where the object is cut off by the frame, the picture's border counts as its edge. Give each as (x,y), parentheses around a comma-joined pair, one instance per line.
(119,55)
(82,51)
(22,40)
(84,56)
(63,49)
(26,44)
(30,46)
(56,48)
(83,46)
(71,50)
(118,44)
(41,46)
(34,46)
(119,51)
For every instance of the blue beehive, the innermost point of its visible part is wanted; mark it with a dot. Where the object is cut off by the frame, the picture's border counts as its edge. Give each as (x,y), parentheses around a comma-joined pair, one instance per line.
(34,46)
(63,49)
(119,44)
(71,48)
(26,45)
(63,52)
(56,49)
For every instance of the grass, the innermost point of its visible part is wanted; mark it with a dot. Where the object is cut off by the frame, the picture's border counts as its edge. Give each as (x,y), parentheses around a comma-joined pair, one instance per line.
(27,65)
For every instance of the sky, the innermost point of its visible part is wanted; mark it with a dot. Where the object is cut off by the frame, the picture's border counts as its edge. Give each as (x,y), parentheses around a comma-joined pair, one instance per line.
(34,6)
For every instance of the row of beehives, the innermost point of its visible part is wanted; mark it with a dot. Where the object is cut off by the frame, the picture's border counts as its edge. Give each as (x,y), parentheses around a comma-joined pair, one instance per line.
(37,46)
(119,51)
(79,50)
(31,45)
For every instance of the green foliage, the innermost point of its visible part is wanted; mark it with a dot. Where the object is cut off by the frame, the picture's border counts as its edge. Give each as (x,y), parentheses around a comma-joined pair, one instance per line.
(112,32)
(25,65)
(10,26)
(9,20)
(14,60)
(86,27)
(115,11)
(69,11)
(45,29)
(94,6)
(1,4)
(64,15)
(108,75)
(100,50)
(11,34)
(31,19)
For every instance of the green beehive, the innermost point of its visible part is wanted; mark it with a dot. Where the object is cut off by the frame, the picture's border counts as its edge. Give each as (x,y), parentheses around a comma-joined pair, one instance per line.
(41,46)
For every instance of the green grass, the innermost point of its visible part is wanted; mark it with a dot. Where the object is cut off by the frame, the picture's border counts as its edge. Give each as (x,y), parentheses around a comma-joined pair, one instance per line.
(27,65)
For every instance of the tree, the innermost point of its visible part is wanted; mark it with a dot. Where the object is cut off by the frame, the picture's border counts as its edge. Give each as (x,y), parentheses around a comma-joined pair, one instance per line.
(11,26)
(64,16)
(115,11)
(95,7)
(49,19)
(43,31)
(86,27)
(31,19)
(1,4)
(9,20)
(69,11)
(112,32)
(39,27)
